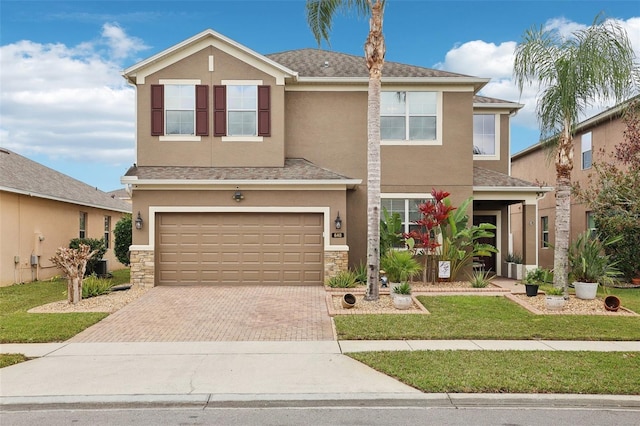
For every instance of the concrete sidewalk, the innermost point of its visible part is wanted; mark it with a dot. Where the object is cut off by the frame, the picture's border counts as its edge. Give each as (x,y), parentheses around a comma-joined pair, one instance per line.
(203,372)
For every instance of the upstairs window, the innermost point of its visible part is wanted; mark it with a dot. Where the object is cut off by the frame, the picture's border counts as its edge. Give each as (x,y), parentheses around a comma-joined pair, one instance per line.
(484,134)
(242,109)
(179,109)
(544,224)
(408,116)
(107,231)
(585,149)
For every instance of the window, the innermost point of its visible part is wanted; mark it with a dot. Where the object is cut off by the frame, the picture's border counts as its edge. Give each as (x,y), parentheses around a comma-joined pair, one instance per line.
(586,150)
(179,109)
(591,224)
(107,231)
(484,134)
(544,225)
(408,116)
(406,208)
(83,225)
(242,109)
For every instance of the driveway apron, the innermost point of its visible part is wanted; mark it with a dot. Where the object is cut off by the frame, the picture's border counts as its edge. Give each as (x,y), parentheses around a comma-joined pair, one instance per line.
(218,313)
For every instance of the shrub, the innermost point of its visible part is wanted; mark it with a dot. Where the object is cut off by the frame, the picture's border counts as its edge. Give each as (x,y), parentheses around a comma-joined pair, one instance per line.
(400,265)
(94,244)
(481,279)
(93,286)
(360,273)
(123,239)
(344,279)
(390,231)
(402,288)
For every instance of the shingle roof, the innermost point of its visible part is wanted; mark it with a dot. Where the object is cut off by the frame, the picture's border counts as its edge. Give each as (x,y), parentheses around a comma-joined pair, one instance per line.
(21,175)
(294,169)
(487,178)
(326,63)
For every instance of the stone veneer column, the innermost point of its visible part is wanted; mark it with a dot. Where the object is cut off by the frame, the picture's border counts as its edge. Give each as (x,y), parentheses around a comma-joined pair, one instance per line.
(142,268)
(335,262)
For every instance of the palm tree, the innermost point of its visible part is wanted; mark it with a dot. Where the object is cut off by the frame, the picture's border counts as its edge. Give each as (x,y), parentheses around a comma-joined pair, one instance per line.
(594,63)
(320,14)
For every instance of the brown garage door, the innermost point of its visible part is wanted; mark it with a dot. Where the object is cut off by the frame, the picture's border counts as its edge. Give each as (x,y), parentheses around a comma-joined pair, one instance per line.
(239,248)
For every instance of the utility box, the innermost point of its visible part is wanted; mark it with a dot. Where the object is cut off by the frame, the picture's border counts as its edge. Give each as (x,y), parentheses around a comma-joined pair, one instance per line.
(34,260)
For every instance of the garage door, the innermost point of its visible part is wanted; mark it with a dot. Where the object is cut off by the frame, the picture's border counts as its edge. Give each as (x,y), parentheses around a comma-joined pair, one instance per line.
(239,248)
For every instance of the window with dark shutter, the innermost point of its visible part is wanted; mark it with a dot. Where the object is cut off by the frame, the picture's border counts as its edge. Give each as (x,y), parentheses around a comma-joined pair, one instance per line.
(157,110)
(219,110)
(264,111)
(202,110)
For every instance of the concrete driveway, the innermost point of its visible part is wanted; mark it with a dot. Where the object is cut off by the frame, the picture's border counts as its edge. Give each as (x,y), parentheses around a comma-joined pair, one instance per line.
(218,313)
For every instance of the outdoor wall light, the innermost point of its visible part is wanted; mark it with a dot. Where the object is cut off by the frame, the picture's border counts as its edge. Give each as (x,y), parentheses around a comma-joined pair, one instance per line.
(238,195)
(338,222)
(139,221)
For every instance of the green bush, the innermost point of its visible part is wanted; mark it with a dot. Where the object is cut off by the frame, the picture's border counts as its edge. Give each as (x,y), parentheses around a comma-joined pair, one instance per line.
(481,279)
(360,273)
(402,288)
(344,279)
(626,251)
(123,239)
(94,244)
(400,265)
(93,286)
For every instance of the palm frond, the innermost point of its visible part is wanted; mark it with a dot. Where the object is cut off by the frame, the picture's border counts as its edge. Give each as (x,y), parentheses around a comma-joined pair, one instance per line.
(320,14)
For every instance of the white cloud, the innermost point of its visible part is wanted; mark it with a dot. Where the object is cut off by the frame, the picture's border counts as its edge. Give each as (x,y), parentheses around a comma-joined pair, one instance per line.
(69,102)
(484,59)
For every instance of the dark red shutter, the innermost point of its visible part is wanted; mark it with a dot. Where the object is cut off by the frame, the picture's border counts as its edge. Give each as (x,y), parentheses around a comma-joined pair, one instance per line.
(264,110)
(157,110)
(202,110)
(219,110)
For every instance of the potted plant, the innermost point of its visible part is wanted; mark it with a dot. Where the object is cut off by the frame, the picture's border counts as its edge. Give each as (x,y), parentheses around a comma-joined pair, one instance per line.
(554,298)
(589,265)
(507,266)
(517,267)
(533,280)
(402,296)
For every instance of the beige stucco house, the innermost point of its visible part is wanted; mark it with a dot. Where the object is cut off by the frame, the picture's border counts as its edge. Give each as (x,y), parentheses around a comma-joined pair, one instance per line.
(41,210)
(595,139)
(252,168)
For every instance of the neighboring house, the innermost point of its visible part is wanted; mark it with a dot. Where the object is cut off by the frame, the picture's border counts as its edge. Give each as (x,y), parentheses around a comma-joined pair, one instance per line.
(120,194)
(41,210)
(252,168)
(595,139)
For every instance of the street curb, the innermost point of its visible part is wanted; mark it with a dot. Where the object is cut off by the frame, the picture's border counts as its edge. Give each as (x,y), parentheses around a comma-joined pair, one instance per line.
(202,401)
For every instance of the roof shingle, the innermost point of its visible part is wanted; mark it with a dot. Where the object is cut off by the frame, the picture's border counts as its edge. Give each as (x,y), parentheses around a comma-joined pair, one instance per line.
(487,178)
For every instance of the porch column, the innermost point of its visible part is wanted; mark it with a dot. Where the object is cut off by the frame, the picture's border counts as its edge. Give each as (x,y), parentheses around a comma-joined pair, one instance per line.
(529,236)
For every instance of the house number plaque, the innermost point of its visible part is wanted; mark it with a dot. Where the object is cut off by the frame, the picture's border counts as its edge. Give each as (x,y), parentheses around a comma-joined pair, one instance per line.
(337,235)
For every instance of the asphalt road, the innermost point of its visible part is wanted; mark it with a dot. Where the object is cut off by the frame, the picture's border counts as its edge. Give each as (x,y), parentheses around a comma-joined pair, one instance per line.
(308,415)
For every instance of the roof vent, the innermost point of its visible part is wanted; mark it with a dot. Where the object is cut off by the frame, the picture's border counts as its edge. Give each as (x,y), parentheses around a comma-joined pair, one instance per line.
(326,64)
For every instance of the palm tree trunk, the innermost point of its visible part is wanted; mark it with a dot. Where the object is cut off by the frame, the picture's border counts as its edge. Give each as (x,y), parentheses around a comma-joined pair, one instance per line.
(374,54)
(564,165)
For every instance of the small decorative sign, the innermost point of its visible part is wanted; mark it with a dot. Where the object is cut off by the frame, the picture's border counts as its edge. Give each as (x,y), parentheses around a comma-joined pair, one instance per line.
(444,269)
(337,235)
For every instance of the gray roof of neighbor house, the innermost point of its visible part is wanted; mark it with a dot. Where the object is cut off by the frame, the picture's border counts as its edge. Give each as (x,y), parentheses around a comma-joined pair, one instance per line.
(295,169)
(23,176)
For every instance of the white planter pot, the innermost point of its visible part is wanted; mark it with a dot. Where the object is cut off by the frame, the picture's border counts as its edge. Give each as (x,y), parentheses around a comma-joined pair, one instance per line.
(519,271)
(554,303)
(511,270)
(586,291)
(402,301)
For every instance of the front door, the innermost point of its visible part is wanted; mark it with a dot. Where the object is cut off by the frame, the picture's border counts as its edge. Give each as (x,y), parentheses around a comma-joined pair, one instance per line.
(489,261)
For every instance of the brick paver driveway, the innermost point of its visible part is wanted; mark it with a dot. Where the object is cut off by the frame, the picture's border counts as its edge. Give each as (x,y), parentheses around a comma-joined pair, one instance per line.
(218,313)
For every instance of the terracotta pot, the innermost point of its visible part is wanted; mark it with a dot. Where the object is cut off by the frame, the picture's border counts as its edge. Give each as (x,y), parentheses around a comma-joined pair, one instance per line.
(612,303)
(635,281)
(348,301)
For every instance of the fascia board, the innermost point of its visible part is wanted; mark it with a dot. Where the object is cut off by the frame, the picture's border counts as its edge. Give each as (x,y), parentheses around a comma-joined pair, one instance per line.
(398,80)
(139,71)
(512,189)
(498,105)
(62,200)
(243,183)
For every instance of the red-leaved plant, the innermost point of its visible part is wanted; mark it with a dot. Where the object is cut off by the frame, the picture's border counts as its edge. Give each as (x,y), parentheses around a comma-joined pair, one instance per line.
(434,213)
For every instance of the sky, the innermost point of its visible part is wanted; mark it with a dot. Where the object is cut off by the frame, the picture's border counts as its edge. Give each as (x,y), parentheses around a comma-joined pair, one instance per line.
(64,103)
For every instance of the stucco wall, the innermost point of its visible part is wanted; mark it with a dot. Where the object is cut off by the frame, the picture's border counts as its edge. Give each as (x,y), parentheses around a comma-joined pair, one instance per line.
(31,225)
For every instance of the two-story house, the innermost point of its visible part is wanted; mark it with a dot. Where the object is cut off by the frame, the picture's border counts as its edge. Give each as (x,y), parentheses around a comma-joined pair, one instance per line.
(252,168)
(595,139)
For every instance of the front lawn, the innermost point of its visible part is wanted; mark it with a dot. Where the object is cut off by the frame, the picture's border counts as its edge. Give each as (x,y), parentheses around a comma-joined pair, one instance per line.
(18,326)
(613,373)
(488,318)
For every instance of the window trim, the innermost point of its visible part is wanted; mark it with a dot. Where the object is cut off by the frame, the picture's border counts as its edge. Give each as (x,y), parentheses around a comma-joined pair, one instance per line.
(164,137)
(418,142)
(82,230)
(107,231)
(263,93)
(496,141)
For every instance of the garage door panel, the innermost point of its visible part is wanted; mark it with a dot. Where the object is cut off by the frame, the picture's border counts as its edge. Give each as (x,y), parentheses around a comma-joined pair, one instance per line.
(239,248)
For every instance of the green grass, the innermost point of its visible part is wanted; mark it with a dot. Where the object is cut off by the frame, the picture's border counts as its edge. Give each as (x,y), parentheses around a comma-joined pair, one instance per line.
(18,326)
(614,373)
(10,359)
(485,317)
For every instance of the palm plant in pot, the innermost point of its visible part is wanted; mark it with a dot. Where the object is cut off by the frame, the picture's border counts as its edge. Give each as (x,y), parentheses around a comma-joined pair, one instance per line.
(402,296)
(533,280)
(589,265)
